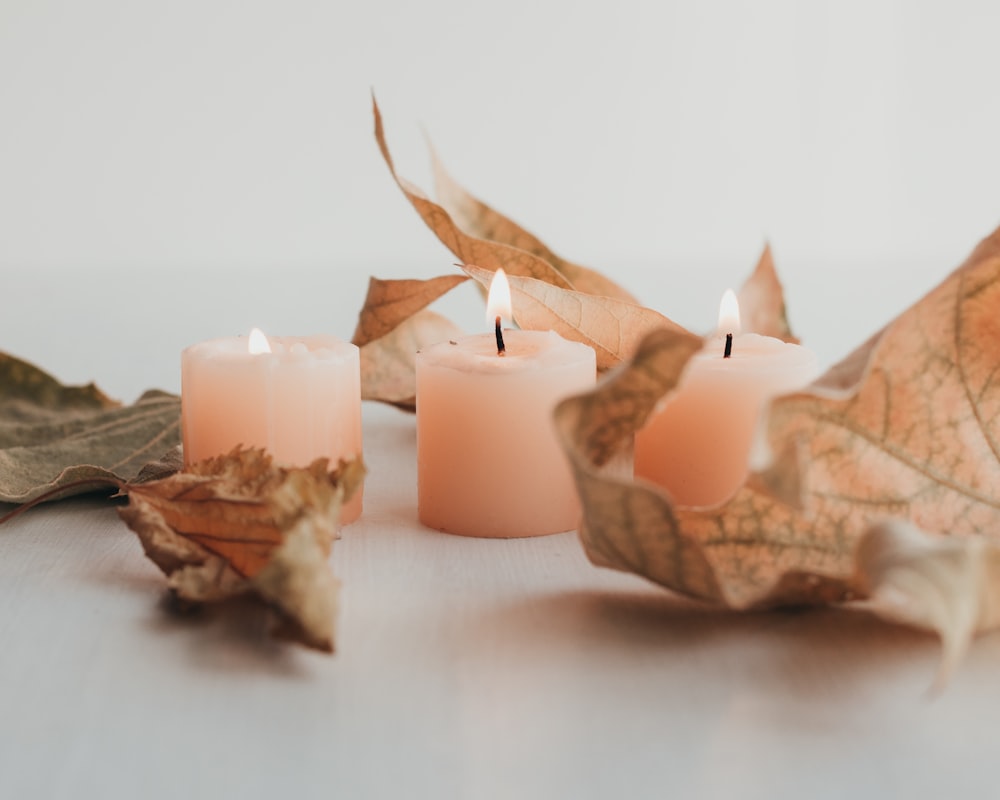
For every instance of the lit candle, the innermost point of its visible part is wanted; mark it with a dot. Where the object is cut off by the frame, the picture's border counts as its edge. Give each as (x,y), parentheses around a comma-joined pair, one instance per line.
(298,398)
(697,445)
(488,463)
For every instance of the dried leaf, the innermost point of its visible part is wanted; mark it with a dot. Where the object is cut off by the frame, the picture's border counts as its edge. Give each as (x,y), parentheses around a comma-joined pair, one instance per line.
(907,428)
(552,293)
(392,326)
(52,436)
(612,327)
(478,219)
(950,585)
(28,394)
(391,302)
(239,524)
(388,364)
(297,581)
(489,255)
(170,462)
(762,301)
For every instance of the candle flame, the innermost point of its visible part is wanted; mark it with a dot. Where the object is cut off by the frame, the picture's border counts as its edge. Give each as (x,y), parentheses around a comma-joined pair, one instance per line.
(257,343)
(498,300)
(729,313)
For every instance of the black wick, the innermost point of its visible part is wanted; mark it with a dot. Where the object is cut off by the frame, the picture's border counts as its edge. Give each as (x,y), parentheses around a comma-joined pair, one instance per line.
(729,346)
(500,345)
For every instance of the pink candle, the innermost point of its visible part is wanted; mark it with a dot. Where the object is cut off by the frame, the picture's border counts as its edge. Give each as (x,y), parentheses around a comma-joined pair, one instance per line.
(298,398)
(697,445)
(488,463)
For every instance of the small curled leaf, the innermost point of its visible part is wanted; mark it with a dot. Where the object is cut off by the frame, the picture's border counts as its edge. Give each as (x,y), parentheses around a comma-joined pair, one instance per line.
(239,524)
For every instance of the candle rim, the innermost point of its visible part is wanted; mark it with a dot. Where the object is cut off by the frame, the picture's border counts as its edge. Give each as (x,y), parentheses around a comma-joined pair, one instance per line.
(526,351)
(319,346)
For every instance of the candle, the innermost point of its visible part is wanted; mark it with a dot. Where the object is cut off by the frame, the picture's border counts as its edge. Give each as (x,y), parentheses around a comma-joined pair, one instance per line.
(697,445)
(298,398)
(488,462)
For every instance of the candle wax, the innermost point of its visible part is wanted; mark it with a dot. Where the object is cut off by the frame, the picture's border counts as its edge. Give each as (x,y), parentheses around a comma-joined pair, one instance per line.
(488,462)
(697,444)
(300,402)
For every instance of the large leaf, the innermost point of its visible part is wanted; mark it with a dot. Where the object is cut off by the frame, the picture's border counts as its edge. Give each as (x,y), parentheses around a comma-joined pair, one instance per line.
(54,436)
(908,428)
(550,293)
(478,219)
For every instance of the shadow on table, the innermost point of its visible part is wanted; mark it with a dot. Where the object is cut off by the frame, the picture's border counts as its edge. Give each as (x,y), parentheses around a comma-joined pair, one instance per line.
(232,637)
(840,650)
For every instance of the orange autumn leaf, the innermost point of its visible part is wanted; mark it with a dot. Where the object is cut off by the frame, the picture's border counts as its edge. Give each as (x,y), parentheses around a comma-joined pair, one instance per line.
(388,364)
(239,524)
(391,302)
(552,294)
(468,248)
(478,219)
(393,325)
(906,428)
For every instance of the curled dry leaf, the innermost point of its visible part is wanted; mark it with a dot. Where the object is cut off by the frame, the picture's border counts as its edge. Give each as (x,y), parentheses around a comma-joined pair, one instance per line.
(612,327)
(950,585)
(468,248)
(762,301)
(906,428)
(239,524)
(388,364)
(392,326)
(478,219)
(391,302)
(550,292)
(75,438)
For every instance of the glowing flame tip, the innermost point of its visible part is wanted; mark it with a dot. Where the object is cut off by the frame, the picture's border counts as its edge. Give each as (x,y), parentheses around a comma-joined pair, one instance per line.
(498,302)
(729,313)
(257,343)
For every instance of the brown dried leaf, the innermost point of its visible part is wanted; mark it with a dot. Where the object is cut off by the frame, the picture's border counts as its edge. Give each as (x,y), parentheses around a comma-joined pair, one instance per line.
(906,428)
(390,302)
(489,255)
(478,219)
(950,585)
(762,301)
(392,326)
(75,438)
(28,394)
(612,327)
(388,364)
(552,294)
(238,523)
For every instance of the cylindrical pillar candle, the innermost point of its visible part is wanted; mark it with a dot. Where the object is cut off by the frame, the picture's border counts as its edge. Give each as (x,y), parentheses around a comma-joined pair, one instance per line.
(488,461)
(697,445)
(298,398)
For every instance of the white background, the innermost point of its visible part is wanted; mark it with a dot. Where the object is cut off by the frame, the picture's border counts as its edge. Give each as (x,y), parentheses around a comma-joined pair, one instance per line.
(236,133)
(662,142)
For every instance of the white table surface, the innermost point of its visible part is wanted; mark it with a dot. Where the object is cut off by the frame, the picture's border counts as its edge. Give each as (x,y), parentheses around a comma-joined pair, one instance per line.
(465,668)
